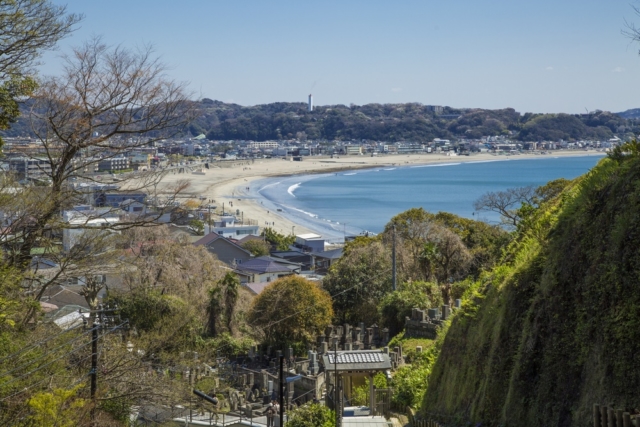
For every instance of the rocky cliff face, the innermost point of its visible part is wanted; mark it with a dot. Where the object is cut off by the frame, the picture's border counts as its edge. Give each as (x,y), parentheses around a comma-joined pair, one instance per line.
(556,327)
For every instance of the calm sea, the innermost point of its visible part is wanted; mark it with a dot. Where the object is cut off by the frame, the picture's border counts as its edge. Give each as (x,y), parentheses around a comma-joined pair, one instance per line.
(352,202)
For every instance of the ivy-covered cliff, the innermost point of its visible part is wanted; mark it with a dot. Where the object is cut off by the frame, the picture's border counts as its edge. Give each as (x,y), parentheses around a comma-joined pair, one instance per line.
(556,327)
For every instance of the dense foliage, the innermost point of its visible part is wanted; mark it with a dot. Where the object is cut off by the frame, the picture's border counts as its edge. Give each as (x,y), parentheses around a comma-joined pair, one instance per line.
(397,305)
(360,278)
(291,311)
(278,241)
(311,415)
(555,328)
(257,247)
(389,122)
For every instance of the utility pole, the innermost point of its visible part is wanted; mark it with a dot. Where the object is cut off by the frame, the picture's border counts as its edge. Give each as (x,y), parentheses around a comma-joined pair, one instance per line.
(94,368)
(282,391)
(209,216)
(393,260)
(336,393)
(99,319)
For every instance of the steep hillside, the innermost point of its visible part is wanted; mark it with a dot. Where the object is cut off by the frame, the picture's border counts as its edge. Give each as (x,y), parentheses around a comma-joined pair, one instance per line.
(556,328)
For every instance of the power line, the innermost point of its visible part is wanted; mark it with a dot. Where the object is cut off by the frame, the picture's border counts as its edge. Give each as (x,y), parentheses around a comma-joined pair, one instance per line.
(37,344)
(48,377)
(66,354)
(45,355)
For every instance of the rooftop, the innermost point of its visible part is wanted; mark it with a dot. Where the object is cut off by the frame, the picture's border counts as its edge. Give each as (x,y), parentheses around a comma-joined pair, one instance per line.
(357,360)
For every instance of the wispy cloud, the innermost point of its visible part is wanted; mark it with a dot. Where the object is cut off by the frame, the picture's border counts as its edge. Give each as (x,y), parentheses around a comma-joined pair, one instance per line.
(549,68)
(618,70)
(396,89)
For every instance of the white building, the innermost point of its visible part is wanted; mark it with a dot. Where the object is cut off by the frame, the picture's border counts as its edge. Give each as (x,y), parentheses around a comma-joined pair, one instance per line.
(263,144)
(84,219)
(229,228)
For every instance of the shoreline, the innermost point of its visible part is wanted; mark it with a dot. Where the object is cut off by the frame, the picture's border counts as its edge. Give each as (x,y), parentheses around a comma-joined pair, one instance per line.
(232,182)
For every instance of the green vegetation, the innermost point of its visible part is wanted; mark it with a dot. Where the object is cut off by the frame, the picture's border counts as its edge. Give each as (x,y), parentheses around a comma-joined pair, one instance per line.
(555,327)
(58,408)
(257,247)
(308,311)
(387,122)
(436,254)
(359,280)
(410,381)
(278,241)
(360,394)
(311,415)
(397,305)
(197,226)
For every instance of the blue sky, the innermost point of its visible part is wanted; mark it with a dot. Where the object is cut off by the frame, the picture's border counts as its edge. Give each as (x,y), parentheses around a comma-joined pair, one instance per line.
(538,56)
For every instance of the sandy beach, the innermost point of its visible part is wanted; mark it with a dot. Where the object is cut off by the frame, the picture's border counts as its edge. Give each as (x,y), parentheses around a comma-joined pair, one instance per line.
(226,182)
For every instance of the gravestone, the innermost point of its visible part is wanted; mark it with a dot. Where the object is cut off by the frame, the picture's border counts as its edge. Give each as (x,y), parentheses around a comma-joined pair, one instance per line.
(314,367)
(446,310)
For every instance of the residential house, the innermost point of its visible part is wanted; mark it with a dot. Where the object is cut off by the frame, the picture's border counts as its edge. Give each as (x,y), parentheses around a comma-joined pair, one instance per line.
(309,242)
(323,260)
(266,269)
(226,250)
(298,257)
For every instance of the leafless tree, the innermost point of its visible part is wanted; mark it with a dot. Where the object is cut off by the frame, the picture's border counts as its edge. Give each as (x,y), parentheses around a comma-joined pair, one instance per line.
(506,203)
(107,102)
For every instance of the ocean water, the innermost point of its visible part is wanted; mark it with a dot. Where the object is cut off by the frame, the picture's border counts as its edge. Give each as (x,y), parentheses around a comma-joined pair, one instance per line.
(353,202)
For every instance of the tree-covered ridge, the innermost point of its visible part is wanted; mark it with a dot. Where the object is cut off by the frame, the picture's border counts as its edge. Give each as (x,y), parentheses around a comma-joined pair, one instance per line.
(554,328)
(398,122)
(387,122)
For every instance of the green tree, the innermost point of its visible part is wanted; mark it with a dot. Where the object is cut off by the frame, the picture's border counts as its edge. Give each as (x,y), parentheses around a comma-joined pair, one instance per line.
(257,247)
(358,280)
(311,415)
(197,226)
(291,310)
(279,241)
(58,408)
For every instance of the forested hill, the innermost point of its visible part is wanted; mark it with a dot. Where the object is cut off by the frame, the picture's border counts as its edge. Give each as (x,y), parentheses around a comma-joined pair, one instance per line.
(390,122)
(397,122)
(555,328)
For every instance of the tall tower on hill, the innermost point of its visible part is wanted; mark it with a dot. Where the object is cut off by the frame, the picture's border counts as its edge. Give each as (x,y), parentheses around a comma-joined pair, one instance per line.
(310,107)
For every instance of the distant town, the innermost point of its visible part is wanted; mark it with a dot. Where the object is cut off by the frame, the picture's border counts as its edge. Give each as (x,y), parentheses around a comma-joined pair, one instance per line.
(23,155)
